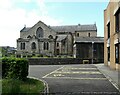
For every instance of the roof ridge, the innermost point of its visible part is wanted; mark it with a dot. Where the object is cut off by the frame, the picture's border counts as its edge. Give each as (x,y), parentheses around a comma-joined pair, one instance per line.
(73,25)
(63,25)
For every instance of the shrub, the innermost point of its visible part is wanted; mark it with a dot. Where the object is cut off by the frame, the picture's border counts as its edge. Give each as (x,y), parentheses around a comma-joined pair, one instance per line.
(14,68)
(5,67)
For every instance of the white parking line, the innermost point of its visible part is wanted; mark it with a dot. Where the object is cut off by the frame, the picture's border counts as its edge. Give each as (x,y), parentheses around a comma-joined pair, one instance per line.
(82,68)
(77,78)
(77,72)
(52,72)
(59,74)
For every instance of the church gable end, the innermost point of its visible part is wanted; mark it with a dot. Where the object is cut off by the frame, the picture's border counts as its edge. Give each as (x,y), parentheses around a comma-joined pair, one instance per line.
(40,30)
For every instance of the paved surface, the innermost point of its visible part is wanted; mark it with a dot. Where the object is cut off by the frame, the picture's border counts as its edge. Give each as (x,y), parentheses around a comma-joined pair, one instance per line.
(112,75)
(74,79)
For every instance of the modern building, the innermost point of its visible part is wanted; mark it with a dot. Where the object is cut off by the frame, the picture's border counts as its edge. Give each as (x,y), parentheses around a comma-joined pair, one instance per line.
(112,34)
(42,39)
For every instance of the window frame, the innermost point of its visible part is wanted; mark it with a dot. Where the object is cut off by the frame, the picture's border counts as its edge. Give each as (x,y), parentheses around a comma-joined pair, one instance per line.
(117,20)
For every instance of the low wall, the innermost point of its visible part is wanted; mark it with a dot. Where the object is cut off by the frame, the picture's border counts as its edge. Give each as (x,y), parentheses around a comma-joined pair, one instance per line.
(56,61)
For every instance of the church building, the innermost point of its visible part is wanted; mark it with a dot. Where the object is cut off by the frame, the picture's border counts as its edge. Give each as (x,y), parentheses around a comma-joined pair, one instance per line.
(42,39)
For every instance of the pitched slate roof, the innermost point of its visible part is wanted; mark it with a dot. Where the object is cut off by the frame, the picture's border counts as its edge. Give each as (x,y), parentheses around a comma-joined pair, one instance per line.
(89,39)
(73,28)
(69,28)
(25,29)
(61,37)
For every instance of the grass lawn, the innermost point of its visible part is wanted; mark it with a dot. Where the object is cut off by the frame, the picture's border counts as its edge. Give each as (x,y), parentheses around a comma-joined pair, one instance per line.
(17,87)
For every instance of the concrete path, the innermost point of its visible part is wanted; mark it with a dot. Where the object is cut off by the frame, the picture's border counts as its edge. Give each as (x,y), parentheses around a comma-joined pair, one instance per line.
(74,79)
(111,74)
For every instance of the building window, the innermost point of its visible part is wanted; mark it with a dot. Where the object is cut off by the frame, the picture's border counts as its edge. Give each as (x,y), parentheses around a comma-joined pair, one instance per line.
(117,53)
(108,53)
(33,45)
(57,44)
(77,34)
(88,34)
(108,29)
(50,37)
(57,51)
(117,21)
(46,46)
(39,32)
(22,46)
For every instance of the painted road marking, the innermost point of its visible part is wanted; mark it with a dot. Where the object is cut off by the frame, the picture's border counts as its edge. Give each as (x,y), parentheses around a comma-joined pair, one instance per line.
(80,72)
(81,68)
(59,73)
(52,72)
(77,78)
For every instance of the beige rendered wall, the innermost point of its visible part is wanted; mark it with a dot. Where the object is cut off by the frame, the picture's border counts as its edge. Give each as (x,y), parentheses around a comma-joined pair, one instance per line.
(109,17)
(105,39)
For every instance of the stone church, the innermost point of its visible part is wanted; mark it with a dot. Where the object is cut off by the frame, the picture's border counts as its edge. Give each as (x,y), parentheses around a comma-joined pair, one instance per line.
(45,40)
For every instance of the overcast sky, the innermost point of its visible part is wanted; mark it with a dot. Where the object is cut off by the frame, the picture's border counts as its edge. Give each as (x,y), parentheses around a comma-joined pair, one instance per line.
(14,14)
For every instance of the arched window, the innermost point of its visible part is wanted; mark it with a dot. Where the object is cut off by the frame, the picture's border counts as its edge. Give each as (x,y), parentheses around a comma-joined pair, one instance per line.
(39,32)
(50,37)
(22,46)
(29,36)
(46,46)
(33,45)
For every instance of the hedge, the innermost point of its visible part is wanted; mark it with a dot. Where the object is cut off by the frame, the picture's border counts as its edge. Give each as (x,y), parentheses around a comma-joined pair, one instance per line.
(14,68)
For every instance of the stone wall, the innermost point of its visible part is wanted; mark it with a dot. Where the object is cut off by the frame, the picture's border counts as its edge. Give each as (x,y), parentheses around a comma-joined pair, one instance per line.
(53,61)
(85,33)
(57,61)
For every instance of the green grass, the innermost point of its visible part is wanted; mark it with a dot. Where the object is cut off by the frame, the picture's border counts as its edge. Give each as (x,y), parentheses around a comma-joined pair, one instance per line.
(17,87)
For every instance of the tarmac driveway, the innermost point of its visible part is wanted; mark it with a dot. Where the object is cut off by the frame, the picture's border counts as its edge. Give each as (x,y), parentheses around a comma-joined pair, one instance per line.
(74,79)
